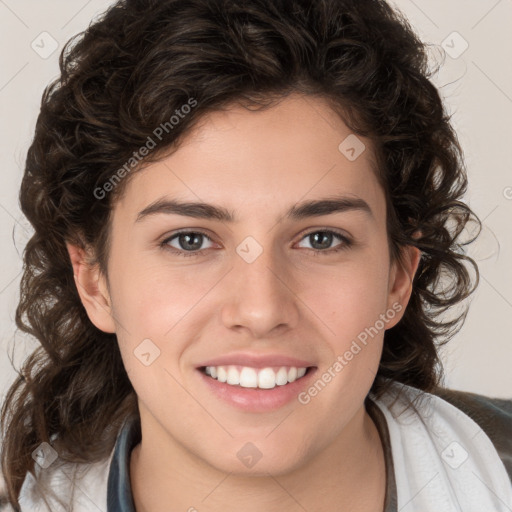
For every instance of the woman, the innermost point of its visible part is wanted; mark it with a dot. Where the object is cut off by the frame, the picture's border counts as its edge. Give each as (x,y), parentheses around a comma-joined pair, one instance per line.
(201,348)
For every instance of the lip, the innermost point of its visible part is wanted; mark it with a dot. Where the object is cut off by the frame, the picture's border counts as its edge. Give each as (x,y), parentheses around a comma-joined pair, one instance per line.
(256,361)
(256,400)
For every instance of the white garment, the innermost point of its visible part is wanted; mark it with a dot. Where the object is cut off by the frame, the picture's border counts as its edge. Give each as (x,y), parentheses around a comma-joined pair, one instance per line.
(442,459)
(444,462)
(89,494)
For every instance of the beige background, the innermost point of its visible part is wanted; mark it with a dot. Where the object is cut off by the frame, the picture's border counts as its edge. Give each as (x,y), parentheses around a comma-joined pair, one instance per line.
(477,87)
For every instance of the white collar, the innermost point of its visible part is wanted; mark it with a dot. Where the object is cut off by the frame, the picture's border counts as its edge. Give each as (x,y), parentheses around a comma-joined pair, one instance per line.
(443,460)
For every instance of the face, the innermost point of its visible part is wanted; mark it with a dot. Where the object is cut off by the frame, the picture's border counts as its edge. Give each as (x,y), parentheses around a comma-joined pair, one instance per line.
(274,286)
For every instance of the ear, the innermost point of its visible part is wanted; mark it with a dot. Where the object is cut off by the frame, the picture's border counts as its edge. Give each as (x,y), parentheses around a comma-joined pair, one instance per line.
(92,288)
(400,282)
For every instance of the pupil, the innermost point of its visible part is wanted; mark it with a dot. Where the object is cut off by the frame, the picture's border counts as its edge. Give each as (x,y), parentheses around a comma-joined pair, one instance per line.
(184,240)
(326,236)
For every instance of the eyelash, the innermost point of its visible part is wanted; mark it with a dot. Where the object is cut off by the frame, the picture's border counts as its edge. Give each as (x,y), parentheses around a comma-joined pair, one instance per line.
(347,243)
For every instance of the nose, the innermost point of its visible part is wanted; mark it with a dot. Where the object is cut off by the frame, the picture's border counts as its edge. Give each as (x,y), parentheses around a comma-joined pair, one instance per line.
(259,296)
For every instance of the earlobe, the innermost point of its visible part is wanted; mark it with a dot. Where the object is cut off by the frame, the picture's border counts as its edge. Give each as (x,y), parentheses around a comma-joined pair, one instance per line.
(92,289)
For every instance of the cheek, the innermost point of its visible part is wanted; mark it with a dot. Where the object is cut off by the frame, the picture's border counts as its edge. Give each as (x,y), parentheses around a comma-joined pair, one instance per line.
(351,304)
(151,306)
(151,299)
(166,306)
(349,298)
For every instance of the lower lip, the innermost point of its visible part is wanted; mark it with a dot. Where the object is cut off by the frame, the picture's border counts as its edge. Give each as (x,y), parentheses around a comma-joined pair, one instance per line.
(255,399)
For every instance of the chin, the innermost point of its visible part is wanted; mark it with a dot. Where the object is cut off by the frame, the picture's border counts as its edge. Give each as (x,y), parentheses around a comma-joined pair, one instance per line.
(249,460)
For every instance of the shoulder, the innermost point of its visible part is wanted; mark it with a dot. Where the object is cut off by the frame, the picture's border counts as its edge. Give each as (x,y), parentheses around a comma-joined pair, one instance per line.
(66,486)
(493,416)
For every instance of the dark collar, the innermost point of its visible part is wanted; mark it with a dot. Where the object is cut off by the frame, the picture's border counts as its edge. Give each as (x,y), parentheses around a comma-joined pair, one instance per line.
(119,490)
(390,502)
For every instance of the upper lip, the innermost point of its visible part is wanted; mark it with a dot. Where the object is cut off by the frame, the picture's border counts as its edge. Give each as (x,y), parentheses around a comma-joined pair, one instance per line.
(256,361)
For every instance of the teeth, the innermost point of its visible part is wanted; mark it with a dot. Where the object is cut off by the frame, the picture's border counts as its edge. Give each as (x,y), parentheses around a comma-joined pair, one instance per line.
(233,376)
(222,375)
(247,377)
(266,378)
(282,377)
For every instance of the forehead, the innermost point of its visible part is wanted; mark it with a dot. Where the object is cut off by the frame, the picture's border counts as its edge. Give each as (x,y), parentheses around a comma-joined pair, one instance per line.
(262,160)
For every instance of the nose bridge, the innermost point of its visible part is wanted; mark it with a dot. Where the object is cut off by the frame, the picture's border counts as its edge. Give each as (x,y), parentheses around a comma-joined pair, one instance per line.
(258,267)
(261,298)
(261,276)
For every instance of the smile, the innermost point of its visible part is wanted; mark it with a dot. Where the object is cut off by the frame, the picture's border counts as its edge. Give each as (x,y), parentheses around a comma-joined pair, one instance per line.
(248,377)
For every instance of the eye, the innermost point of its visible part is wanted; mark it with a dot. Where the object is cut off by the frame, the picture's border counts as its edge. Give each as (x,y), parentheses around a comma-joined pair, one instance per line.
(187,242)
(324,238)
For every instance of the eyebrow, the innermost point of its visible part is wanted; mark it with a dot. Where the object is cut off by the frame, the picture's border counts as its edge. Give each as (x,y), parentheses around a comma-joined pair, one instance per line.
(306,209)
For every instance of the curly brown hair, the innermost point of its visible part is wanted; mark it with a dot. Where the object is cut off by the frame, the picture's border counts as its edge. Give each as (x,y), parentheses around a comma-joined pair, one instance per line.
(126,75)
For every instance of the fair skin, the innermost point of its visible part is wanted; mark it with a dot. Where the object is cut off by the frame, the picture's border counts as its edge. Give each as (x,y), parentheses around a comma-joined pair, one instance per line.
(323,455)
